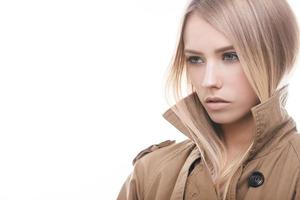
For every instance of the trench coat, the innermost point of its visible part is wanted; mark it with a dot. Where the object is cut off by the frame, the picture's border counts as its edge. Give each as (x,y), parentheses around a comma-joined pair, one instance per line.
(174,170)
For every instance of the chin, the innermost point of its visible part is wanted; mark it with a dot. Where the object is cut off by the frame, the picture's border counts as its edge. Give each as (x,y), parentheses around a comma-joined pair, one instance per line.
(224,118)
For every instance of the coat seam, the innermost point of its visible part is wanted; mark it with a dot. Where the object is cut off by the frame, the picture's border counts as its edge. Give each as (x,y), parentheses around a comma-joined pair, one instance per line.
(295,151)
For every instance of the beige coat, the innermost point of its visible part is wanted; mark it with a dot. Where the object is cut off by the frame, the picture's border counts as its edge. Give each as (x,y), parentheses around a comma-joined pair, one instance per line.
(271,171)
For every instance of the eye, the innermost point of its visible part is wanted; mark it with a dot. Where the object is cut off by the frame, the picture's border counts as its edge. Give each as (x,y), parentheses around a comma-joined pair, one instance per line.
(193,60)
(232,56)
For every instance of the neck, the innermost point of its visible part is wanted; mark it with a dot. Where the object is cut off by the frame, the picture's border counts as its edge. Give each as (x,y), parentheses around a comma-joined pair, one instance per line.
(237,136)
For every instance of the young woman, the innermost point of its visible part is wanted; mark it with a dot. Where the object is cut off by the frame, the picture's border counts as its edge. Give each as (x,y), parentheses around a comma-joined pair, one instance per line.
(242,144)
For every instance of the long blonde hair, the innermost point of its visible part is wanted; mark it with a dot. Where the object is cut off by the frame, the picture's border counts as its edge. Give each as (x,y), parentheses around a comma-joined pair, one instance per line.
(265,35)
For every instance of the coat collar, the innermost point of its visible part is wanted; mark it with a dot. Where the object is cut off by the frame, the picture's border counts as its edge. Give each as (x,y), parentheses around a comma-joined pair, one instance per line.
(269,116)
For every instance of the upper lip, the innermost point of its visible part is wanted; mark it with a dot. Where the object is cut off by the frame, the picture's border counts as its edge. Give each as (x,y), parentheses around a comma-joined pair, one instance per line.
(214,99)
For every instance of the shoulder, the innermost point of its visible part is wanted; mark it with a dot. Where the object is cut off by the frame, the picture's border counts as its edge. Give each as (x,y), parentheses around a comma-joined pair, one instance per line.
(162,150)
(162,157)
(157,160)
(151,163)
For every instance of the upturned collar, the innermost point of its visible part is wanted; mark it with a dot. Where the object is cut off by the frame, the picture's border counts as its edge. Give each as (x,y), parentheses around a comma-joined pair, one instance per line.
(269,117)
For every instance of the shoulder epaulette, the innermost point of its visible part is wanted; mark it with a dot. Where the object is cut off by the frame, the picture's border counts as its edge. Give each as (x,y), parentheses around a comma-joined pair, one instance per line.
(152,148)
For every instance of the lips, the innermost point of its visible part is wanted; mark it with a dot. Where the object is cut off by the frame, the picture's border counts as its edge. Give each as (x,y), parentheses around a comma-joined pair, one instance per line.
(216,103)
(215,100)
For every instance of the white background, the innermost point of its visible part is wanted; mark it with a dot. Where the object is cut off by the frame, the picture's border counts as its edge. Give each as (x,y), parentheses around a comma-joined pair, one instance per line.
(81,85)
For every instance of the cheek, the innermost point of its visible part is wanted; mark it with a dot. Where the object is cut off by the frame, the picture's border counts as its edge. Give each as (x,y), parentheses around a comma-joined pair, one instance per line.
(195,75)
(243,89)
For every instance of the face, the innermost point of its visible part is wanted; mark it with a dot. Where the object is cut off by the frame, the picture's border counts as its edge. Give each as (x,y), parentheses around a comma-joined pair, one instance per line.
(215,71)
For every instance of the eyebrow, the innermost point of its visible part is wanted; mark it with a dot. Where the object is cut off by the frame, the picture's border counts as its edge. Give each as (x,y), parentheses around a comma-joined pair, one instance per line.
(216,51)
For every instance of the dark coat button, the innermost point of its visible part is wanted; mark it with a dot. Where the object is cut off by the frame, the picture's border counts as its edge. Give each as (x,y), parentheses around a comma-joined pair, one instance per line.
(256,179)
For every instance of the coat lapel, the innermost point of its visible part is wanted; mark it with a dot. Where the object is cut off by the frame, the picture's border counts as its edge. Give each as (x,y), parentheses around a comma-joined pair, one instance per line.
(199,185)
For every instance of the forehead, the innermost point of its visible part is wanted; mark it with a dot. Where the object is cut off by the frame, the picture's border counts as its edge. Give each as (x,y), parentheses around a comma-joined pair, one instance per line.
(198,34)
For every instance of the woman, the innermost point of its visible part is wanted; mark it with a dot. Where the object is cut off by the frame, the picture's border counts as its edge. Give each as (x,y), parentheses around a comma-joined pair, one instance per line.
(242,144)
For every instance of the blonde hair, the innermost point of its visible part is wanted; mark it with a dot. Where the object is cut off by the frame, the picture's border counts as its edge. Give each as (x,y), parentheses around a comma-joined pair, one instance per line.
(265,35)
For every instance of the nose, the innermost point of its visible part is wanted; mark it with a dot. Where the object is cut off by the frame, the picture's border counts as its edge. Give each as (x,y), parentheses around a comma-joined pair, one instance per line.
(210,78)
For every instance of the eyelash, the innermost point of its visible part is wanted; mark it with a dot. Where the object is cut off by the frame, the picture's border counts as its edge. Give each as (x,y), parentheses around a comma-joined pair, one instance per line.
(225,54)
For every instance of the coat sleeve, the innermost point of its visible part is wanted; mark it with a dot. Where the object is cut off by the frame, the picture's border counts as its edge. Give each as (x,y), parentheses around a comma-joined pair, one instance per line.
(132,188)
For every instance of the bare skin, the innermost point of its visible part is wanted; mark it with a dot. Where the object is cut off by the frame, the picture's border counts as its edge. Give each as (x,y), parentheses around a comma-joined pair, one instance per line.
(236,142)
(220,74)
